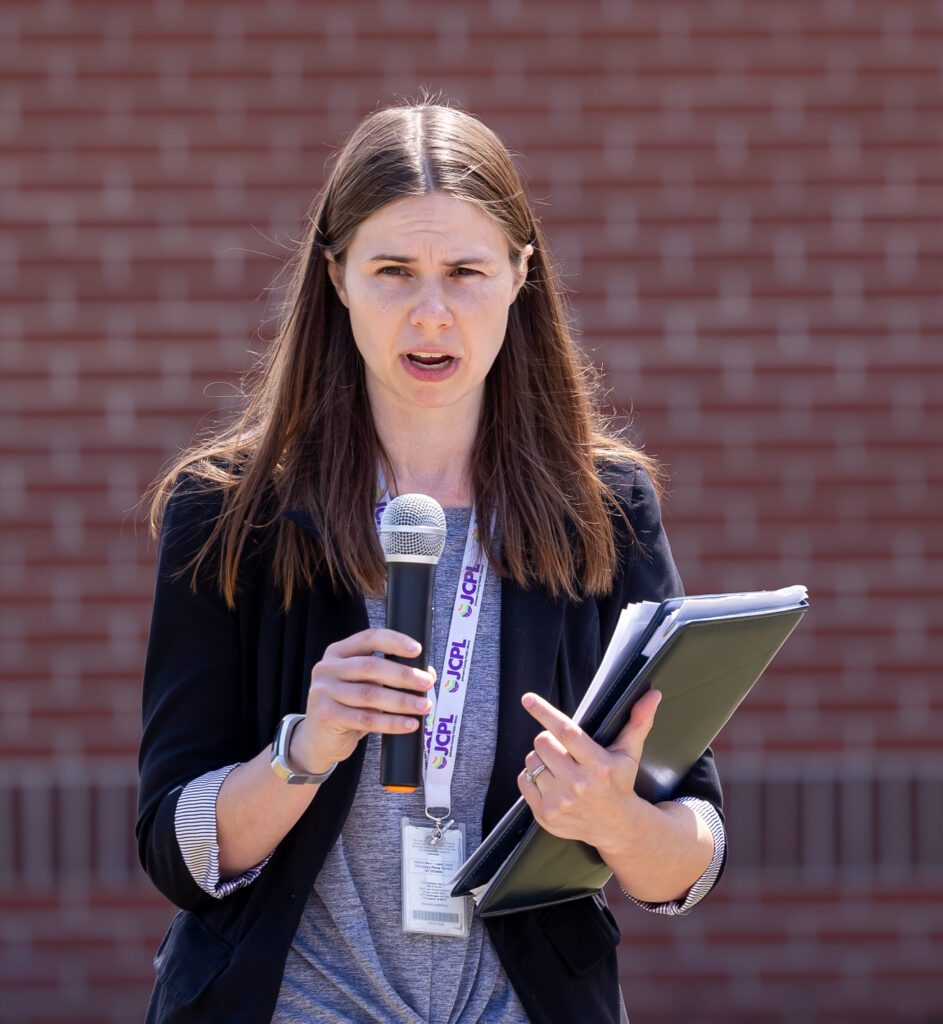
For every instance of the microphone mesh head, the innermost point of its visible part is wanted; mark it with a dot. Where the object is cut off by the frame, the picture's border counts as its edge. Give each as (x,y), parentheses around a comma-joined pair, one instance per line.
(413,526)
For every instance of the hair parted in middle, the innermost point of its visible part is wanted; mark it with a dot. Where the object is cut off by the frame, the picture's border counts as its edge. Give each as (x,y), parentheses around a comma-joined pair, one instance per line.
(306,437)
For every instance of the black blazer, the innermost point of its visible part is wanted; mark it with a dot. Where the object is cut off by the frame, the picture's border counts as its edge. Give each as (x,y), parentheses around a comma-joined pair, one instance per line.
(216,683)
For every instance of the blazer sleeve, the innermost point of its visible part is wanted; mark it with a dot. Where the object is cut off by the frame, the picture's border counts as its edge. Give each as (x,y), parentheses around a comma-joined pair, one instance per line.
(648,573)
(191,686)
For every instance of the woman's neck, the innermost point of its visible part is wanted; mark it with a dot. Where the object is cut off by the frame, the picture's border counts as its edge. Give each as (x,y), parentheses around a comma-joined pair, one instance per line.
(430,451)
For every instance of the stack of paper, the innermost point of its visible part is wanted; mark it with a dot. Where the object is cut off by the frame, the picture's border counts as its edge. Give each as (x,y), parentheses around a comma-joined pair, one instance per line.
(704,653)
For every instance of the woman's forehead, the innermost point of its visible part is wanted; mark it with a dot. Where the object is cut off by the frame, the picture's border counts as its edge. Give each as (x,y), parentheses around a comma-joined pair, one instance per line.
(442,221)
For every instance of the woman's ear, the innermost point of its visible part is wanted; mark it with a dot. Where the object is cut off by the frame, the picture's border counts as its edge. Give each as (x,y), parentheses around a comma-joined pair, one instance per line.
(336,272)
(520,271)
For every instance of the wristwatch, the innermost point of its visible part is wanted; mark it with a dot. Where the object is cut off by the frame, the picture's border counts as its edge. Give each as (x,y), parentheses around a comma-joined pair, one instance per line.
(279,762)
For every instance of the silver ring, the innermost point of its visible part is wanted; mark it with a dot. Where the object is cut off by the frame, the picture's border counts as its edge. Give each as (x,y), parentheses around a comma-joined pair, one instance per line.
(533,775)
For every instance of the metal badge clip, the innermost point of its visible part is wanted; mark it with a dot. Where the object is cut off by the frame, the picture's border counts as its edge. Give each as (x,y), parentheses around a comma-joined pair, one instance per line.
(441,826)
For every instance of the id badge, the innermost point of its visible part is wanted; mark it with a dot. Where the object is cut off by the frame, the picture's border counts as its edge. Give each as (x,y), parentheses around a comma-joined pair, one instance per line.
(427,880)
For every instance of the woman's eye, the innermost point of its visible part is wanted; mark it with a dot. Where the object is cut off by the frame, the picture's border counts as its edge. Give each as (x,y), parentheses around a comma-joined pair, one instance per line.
(461,271)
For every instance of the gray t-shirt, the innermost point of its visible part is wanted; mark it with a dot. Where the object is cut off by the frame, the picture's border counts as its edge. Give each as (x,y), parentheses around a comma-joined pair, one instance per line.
(350,961)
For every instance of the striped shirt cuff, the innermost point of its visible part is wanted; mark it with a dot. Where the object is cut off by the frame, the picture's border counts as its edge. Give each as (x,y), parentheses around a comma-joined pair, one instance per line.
(195,826)
(708,814)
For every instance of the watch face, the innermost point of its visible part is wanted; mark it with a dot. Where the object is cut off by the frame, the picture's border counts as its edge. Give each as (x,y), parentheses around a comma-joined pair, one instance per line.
(283,732)
(280,753)
(278,761)
(279,758)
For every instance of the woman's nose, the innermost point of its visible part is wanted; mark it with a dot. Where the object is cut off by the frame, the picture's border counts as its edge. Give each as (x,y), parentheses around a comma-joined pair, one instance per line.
(431,310)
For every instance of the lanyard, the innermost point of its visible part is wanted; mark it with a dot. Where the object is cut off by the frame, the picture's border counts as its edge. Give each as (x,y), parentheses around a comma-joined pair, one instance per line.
(443,722)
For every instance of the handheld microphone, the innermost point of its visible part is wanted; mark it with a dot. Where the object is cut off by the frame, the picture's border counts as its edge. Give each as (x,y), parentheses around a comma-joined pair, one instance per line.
(412,535)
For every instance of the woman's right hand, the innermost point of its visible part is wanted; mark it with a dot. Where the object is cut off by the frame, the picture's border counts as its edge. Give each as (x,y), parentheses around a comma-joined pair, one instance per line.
(353,693)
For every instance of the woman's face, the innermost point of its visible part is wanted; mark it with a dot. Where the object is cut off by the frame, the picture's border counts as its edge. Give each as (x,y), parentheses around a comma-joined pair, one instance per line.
(428,276)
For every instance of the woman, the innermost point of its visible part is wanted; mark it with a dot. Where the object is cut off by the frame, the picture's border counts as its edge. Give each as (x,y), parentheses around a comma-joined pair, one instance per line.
(425,349)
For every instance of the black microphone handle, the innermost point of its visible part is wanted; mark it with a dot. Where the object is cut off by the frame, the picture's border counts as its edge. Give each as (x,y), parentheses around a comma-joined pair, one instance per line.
(408,610)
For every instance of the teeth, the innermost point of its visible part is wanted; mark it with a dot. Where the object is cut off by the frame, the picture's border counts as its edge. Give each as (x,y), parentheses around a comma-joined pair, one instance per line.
(433,361)
(429,355)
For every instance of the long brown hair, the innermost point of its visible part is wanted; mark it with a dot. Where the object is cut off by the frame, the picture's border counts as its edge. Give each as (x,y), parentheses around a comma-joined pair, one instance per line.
(306,434)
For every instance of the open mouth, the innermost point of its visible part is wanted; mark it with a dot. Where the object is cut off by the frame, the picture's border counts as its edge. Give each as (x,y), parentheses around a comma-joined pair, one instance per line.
(429,362)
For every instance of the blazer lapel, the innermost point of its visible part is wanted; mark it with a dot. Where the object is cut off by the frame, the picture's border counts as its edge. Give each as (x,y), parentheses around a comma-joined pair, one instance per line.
(332,614)
(531,628)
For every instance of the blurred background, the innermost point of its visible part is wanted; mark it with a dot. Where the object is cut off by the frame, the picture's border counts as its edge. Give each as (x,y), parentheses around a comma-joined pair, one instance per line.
(745,200)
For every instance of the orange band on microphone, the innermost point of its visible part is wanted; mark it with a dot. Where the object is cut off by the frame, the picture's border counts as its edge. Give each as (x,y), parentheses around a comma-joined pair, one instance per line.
(400,789)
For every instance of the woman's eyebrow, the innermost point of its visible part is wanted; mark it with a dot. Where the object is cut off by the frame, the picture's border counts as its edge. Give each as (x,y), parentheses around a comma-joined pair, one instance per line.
(464,261)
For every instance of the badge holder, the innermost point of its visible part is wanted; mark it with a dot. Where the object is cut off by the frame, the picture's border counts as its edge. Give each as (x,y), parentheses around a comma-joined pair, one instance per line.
(431,856)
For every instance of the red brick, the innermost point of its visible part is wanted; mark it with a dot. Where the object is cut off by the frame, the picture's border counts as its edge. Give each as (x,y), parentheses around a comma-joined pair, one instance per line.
(742,199)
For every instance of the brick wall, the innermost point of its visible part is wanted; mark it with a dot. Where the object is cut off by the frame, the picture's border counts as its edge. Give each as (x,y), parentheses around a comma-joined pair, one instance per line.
(746,200)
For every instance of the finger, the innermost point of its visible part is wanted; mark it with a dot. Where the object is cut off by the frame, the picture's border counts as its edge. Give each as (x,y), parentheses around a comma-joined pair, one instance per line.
(376,670)
(530,790)
(554,755)
(532,762)
(577,743)
(632,736)
(379,698)
(363,720)
(382,640)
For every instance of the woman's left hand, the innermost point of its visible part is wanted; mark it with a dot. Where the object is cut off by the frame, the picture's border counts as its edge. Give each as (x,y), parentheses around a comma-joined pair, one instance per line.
(586,791)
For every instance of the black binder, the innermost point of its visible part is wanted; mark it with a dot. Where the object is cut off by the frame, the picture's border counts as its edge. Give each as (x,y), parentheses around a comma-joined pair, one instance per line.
(704,669)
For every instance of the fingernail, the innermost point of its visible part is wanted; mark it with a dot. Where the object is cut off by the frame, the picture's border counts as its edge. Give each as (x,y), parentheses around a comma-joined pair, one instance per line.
(415,645)
(529,700)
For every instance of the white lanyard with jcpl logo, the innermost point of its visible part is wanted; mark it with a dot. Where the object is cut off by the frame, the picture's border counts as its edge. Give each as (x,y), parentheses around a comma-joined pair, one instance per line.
(432,854)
